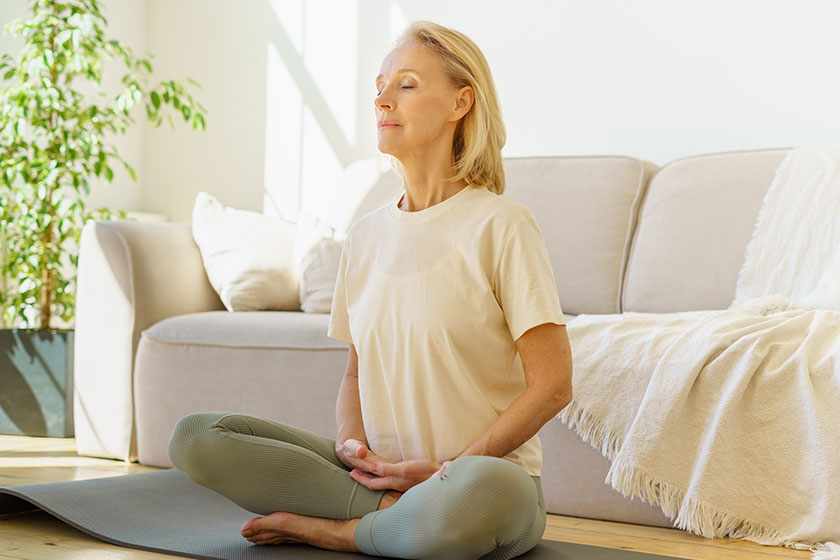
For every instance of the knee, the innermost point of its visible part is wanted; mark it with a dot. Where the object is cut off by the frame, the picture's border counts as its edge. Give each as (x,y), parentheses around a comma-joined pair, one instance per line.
(494,477)
(190,443)
(501,492)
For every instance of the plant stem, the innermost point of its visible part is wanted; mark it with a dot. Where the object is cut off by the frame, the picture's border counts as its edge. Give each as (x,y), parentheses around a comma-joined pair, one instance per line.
(48,275)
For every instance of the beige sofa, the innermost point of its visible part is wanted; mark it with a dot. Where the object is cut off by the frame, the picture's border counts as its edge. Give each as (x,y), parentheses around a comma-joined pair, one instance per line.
(153,341)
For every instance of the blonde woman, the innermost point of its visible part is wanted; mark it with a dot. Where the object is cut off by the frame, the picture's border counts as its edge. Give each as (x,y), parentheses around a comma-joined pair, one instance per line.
(437,454)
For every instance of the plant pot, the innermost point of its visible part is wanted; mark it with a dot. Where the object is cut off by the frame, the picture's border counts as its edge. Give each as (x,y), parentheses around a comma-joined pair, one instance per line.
(36,382)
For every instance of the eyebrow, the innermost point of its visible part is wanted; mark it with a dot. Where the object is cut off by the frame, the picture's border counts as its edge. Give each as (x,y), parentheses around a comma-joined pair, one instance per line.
(400,71)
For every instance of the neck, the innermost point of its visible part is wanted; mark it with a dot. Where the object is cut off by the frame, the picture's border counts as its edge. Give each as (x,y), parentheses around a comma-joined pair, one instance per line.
(426,183)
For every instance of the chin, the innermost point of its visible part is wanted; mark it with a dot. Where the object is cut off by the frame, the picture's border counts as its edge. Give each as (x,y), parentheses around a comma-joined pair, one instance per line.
(385,149)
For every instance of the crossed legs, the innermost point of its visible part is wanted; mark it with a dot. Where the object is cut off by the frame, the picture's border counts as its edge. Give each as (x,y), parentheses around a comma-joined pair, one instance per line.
(485,507)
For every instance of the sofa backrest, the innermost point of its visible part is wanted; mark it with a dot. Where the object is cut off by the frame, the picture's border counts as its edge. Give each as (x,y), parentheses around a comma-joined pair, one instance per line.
(695,222)
(586,208)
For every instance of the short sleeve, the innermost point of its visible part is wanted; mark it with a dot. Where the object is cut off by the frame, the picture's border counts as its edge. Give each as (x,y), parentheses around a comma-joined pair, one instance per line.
(524,284)
(339,327)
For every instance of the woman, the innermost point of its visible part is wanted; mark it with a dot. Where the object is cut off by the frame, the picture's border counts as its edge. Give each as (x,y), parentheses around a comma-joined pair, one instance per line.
(436,454)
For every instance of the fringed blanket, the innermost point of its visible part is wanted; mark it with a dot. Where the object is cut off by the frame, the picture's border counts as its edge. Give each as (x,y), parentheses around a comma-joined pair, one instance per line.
(728,420)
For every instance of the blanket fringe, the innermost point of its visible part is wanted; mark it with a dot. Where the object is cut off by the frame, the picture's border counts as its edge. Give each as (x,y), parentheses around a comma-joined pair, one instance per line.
(687,514)
(701,518)
(591,430)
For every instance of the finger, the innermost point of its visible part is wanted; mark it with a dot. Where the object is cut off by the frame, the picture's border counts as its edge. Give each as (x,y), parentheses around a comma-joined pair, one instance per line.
(372,482)
(363,466)
(362,476)
(440,473)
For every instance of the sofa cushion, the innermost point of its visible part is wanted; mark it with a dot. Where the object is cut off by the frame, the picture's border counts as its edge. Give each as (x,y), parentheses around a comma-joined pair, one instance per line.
(317,253)
(586,209)
(249,257)
(246,329)
(698,215)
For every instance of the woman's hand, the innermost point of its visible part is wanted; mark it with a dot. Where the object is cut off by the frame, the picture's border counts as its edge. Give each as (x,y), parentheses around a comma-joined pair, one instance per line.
(356,455)
(400,476)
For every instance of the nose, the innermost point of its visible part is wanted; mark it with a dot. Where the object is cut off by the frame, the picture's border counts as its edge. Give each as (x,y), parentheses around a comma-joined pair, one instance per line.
(383,102)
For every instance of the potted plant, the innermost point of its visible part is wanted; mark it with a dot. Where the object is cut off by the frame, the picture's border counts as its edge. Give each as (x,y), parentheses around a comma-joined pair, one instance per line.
(52,143)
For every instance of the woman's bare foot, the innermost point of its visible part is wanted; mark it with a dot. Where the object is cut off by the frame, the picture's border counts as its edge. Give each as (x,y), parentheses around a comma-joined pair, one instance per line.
(284,527)
(332,534)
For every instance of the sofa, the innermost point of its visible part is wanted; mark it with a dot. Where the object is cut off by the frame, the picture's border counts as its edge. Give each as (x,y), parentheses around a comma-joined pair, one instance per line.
(154,342)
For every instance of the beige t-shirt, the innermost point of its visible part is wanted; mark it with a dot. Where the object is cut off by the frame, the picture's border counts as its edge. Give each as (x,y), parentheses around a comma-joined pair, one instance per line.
(433,300)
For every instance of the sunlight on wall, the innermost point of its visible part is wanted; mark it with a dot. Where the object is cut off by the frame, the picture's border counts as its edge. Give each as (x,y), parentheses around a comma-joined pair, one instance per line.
(311,127)
(320,168)
(290,15)
(330,53)
(283,111)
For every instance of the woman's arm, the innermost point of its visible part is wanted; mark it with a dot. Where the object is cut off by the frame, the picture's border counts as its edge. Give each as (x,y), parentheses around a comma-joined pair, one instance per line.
(348,408)
(547,360)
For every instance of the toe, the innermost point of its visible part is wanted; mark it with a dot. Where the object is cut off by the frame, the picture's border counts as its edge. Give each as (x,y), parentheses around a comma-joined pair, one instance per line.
(248,527)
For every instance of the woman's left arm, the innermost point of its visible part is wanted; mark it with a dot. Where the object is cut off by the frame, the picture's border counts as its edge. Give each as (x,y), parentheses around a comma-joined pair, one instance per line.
(547,360)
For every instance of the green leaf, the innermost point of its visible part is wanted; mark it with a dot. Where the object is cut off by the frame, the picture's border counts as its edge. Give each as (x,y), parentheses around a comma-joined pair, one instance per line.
(155,100)
(130,171)
(109,174)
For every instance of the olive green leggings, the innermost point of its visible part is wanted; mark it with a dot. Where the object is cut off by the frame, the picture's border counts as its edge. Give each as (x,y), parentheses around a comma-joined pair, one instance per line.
(485,507)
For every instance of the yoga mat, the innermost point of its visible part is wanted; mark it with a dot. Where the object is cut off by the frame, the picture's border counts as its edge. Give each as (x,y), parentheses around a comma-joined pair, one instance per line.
(164,511)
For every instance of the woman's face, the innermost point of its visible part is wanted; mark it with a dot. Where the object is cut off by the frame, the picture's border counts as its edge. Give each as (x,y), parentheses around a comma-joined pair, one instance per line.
(417,107)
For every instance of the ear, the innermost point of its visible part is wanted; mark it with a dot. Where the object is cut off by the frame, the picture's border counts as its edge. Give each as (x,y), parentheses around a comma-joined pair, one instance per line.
(463,102)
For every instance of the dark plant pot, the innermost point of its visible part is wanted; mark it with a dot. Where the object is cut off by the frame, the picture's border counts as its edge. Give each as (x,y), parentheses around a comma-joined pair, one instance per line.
(36,382)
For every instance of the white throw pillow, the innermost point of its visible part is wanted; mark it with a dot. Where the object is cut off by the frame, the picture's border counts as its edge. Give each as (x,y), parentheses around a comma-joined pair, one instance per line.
(249,257)
(317,252)
(318,273)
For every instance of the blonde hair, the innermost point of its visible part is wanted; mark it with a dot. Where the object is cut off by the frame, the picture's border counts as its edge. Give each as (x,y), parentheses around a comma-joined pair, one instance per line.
(480,135)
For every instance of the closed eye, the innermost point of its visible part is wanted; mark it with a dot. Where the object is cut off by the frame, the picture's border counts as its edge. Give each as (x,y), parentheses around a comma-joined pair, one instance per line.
(379,91)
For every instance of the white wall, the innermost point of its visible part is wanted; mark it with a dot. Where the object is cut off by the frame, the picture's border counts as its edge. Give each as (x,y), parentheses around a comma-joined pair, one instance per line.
(289,86)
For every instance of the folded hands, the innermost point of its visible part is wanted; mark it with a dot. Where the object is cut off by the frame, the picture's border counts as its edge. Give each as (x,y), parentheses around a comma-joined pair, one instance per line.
(376,473)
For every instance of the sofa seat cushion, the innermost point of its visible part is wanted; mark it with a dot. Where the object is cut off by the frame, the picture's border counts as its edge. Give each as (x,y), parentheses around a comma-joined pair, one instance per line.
(278,365)
(247,329)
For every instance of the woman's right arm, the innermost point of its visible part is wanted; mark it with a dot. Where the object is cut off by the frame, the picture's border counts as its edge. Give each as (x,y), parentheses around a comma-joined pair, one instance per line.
(348,409)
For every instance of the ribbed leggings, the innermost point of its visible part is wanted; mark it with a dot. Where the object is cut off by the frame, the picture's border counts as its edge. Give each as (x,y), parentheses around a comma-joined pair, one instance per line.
(485,507)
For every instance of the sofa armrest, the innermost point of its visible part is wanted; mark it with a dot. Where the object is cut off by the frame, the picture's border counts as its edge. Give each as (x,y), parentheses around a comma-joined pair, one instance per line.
(130,276)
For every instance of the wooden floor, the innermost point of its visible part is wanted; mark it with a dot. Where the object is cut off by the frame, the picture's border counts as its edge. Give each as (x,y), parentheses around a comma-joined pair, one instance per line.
(35,536)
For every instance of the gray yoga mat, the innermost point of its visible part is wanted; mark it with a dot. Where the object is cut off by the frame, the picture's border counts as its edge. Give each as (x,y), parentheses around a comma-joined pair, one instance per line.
(164,511)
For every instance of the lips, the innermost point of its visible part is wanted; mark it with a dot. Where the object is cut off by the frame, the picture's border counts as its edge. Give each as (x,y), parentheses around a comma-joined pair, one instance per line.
(387,124)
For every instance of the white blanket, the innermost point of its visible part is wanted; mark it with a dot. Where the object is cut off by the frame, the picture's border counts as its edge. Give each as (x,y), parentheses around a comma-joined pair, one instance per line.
(729,420)
(795,248)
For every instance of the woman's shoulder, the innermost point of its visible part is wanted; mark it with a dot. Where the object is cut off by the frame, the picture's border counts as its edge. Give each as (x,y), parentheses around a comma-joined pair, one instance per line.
(507,210)
(371,220)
